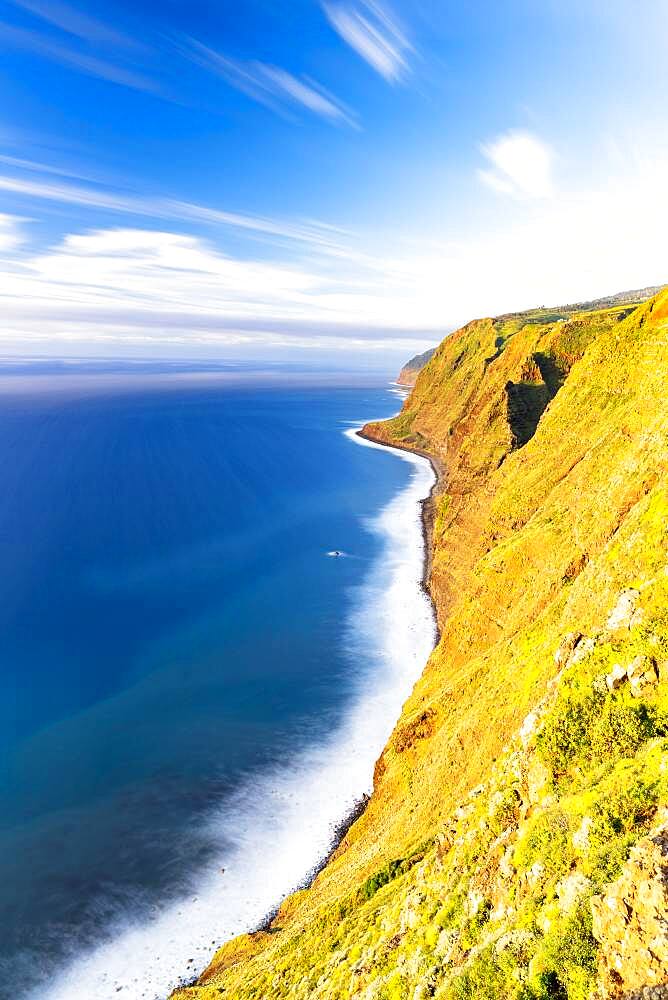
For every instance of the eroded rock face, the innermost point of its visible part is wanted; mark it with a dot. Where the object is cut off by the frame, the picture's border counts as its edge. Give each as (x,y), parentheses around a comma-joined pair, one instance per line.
(566,647)
(630,920)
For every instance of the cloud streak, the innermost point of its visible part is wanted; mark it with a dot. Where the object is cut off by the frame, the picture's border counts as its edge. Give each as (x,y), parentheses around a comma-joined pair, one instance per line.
(34,42)
(156,287)
(270,85)
(100,50)
(327,238)
(18,163)
(74,22)
(373,32)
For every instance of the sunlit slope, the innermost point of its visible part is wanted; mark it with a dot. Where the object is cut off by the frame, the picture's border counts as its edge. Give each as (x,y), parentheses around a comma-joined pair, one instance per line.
(472,871)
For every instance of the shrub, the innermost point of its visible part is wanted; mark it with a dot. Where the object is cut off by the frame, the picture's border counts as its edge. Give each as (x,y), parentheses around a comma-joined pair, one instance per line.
(568,958)
(379,879)
(546,841)
(589,727)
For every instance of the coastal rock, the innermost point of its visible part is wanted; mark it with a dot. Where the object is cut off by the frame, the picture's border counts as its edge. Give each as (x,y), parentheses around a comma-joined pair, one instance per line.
(582,650)
(409,373)
(506,867)
(535,873)
(538,779)
(637,618)
(528,727)
(580,838)
(630,921)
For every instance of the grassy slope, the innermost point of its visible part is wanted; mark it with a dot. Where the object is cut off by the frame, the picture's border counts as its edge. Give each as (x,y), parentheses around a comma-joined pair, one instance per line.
(555,438)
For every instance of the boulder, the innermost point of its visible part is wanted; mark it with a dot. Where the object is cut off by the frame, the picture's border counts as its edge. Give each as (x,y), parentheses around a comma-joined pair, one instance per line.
(580,838)
(538,779)
(622,613)
(582,650)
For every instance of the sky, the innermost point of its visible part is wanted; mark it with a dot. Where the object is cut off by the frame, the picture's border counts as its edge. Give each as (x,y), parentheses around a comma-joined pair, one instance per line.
(331,181)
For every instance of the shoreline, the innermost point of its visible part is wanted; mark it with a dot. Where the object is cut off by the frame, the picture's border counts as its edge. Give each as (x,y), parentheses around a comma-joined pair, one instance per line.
(426,522)
(426,508)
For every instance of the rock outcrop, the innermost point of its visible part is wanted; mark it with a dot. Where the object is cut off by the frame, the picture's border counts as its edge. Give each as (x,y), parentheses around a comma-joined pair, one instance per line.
(630,921)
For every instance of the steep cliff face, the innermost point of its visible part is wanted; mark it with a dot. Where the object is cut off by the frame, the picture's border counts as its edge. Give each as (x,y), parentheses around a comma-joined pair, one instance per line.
(520,805)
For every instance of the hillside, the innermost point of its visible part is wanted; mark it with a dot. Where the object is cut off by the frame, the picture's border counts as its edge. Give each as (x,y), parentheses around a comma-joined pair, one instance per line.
(413,367)
(516,844)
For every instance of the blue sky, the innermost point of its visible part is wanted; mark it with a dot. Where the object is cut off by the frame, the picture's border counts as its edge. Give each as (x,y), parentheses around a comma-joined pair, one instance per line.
(320,180)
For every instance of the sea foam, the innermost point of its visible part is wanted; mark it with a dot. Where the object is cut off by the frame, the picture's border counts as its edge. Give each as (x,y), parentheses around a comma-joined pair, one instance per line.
(277,829)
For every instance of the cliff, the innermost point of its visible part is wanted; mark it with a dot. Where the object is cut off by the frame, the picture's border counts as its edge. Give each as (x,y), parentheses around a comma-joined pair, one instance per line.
(516,843)
(409,373)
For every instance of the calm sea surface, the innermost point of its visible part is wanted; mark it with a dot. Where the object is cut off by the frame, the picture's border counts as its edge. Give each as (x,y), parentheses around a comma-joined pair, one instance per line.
(170,623)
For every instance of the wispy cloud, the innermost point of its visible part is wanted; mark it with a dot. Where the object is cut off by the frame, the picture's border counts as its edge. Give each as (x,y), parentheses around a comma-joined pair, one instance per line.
(33,41)
(19,163)
(327,238)
(521,165)
(74,22)
(374,33)
(270,85)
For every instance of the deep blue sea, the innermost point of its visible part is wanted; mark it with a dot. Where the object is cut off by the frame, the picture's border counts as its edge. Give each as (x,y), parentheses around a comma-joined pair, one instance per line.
(181,656)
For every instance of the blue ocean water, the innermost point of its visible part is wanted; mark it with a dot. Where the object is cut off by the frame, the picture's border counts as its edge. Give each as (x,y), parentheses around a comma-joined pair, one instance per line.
(170,625)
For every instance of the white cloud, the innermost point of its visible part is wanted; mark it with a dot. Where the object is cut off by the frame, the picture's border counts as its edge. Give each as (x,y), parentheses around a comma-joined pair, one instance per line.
(326,287)
(374,33)
(270,85)
(148,287)
(11,235)
(522,165)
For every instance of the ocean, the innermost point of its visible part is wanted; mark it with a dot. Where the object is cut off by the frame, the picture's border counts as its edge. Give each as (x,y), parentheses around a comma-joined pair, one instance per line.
(194,688)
